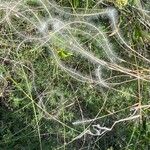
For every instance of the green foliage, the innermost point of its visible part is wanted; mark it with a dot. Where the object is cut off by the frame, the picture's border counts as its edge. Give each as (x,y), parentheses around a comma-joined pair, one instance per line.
(64,54)
(75,3)
(32,2)
(39,101)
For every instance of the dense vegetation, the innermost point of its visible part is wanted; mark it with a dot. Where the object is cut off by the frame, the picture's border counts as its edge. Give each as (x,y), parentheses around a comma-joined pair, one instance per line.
(74,74)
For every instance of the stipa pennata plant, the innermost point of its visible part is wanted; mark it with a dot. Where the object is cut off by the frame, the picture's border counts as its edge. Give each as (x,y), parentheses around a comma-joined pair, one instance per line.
(81,37)
(3,85)
(51,103)
(62,32)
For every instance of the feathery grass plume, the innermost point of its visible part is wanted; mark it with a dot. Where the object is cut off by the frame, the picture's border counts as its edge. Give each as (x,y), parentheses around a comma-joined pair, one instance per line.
(100,130)
(67,25)
(43,27)
(113,16)
(98,74)
(62,39)
(48,103)
(3,85)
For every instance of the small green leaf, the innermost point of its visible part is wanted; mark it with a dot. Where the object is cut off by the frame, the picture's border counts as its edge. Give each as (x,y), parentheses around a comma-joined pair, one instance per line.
(64,54)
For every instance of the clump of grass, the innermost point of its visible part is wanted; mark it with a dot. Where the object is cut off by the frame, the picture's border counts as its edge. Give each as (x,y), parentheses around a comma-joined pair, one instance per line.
(73,74)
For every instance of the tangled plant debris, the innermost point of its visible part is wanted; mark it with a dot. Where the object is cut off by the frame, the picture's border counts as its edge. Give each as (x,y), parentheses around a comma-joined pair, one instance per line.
(87,52)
